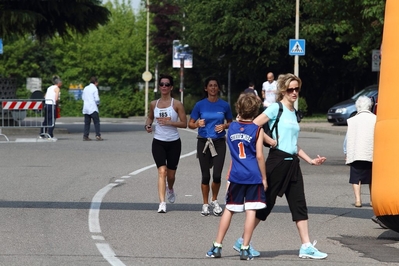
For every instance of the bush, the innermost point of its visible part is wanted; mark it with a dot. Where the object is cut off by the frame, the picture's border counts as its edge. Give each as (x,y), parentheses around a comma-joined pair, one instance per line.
(69,106)
(189,101)
(302,105)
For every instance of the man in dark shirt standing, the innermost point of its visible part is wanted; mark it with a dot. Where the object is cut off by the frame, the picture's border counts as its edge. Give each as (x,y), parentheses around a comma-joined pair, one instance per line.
(251,89)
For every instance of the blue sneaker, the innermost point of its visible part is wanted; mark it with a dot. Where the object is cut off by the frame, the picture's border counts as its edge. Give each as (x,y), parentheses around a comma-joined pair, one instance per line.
(312,252)
(214,252)
(245,254)
(252,251)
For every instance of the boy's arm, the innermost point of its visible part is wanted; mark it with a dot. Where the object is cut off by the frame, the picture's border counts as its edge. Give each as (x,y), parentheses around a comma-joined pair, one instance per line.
(260,157)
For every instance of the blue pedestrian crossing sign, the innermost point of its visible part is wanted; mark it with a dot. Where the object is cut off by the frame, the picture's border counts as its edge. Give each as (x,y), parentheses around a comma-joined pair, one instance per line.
(297,47)
(1,46)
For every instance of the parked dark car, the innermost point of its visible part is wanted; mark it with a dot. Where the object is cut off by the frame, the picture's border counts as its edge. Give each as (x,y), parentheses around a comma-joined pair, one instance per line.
(339,113)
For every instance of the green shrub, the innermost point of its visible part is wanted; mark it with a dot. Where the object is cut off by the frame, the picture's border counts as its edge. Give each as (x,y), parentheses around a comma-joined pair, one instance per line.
(189,101)
(69,106)
(302,105)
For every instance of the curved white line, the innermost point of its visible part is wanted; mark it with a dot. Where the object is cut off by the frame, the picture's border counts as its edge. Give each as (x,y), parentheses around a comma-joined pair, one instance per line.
(94,214)
(108,254)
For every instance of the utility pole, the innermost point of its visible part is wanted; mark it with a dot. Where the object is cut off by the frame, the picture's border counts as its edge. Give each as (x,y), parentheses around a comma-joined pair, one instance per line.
(296,59)
(147,76)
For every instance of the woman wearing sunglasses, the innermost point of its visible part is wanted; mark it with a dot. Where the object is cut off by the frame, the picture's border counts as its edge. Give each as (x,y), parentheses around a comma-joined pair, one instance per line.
(167,114)
(212,116)
(283,171)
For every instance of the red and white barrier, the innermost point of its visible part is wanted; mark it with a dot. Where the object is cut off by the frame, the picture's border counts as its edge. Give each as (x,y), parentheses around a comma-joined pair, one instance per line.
(22,105)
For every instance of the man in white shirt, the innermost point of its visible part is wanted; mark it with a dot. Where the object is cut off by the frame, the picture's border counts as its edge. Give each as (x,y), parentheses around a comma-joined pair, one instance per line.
(91,100)
(269,90)
(51,97)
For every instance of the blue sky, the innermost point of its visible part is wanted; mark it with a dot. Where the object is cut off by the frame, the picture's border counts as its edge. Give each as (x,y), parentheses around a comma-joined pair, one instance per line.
(135,3)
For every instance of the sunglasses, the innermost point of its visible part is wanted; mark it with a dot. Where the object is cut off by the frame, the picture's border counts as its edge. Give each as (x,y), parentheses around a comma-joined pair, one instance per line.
(291,90)
(164,84)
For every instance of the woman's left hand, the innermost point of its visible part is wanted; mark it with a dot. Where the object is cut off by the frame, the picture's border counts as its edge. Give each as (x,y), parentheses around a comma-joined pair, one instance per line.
(319,160)
(220,128)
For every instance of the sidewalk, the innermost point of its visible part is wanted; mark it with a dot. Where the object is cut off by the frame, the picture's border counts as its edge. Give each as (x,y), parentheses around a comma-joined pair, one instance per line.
(323,127)
(319,127)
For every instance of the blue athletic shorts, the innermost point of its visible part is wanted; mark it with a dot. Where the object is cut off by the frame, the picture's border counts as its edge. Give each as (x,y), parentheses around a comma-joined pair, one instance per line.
(241,197)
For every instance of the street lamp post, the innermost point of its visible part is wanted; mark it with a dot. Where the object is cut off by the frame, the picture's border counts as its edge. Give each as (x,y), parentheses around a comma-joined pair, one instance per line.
(147,76)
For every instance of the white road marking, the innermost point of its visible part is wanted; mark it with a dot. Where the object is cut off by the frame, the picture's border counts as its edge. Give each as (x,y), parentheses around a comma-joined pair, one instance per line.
(142,169)
(98,237)
(94,214)
(109,254)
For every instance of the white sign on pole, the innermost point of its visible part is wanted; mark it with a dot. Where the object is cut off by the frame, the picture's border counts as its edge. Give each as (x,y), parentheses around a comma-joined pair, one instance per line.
(182,51)
(34,84)
(375,61)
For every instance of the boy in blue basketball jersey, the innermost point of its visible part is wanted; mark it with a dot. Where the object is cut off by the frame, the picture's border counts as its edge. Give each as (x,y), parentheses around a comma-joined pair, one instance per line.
(247,174)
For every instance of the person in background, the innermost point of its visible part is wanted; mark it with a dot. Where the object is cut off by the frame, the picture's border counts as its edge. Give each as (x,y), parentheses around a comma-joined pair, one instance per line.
(359,147)
(167,114)
(212,116)
(269,90)
(91,100)
(51,97)
(247,176)
(251,89)
(284,175)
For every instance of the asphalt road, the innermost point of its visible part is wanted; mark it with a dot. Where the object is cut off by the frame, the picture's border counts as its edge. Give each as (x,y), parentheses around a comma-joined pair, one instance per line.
(95,203)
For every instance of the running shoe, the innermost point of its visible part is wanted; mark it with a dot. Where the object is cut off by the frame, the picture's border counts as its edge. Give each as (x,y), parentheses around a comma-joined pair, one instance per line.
(205,210)
(214,252)
(217,210)
(378,221)
(245,254)
(252,251)
(311,252)
(170,194)
(162,207)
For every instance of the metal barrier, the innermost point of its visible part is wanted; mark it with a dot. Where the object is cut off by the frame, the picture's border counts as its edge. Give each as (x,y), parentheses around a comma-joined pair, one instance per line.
(24,113)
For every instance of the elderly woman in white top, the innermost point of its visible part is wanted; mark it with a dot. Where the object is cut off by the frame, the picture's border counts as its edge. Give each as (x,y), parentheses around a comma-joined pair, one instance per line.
(359,146)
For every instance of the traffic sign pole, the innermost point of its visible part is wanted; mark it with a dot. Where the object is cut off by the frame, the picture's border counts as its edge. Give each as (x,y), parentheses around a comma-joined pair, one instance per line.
(296,60)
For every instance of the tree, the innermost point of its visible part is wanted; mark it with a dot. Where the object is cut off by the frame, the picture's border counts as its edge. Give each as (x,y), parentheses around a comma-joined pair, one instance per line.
(114,52)
(253,37)
(46,19)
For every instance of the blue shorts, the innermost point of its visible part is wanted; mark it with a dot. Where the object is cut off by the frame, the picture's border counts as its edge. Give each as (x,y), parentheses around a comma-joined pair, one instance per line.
(241,197)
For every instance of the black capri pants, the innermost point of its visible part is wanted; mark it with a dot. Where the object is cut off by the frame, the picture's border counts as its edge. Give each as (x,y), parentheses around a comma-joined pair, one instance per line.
(166,153)
(295,192)
(206,160)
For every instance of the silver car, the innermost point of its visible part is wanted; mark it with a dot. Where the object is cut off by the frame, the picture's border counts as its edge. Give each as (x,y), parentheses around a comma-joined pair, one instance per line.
(339,113)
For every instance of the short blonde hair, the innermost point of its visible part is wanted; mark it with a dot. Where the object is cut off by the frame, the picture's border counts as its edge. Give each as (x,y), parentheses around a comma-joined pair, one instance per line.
(283,82)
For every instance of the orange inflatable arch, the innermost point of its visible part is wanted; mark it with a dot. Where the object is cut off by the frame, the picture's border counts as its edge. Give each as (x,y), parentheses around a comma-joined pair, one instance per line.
(385,184)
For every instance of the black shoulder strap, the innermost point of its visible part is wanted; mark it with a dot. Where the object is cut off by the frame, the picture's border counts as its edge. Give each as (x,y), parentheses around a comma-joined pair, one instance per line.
(280,111)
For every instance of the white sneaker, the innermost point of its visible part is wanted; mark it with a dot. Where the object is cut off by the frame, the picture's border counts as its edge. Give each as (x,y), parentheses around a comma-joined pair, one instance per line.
(217,210)
(162,207)
(170,194)
(205,210)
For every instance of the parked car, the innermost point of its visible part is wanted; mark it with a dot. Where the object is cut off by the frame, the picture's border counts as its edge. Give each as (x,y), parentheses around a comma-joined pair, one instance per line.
(339,113)
(375,104)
